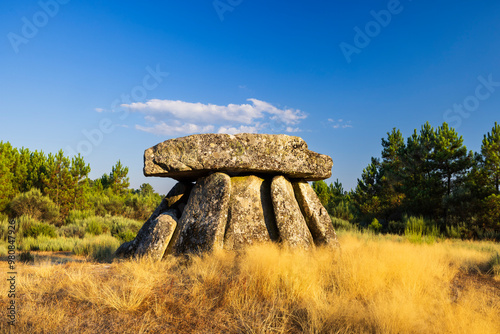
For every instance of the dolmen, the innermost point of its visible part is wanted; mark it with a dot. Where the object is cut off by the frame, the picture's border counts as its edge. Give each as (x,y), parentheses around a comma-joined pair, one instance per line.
(234,191)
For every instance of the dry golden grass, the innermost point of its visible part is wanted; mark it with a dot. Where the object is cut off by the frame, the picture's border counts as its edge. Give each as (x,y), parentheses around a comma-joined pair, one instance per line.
(373,285)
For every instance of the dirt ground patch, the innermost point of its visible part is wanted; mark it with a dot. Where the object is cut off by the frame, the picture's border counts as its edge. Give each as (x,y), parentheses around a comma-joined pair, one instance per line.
(473,280)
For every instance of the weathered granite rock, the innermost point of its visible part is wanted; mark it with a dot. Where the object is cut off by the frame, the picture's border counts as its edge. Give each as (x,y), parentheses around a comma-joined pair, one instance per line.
(315,214)
(203,222)
(174,202)
(251,214)
(158,237)
(291,224)
(191,157)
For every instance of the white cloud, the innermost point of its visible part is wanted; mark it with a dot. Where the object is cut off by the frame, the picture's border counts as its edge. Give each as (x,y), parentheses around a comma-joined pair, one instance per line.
(163,128)
(241,129)
(340,123)
(290,129)
(169,117)
(99,109)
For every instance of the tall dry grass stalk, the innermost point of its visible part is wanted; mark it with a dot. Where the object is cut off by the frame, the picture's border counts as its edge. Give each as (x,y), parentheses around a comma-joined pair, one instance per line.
(372,285)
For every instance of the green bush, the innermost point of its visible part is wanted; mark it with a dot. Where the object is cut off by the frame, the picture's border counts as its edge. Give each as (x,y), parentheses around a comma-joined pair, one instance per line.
(22,224)
(396,227)
(75,215)
(3,249)
(120,224)
(375,226)
(341,210)
(140,207)
(99,248)
(32,203)
(36,229)
(3,216)
(418,230)
(72,231)
(126,236)
(44,243)
(115,206)
(4,229)
(454,232)
(341,224)
(94,227)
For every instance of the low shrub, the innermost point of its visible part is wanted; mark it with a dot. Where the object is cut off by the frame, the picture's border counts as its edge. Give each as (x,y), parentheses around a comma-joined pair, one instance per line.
(94,226)
(4,229)
(126,236)
(26,257)
(396,227)
(37,229)
(75,215)
(341,210)
(3,249)
(341,224)
(32,203)
(454,232)
(72,231)
(22,224)
(375,226)
(99,248)
(44,243)
(124,228)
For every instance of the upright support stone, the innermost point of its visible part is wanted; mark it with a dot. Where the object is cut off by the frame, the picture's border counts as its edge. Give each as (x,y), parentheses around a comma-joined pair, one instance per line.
(251,215)
(315,214)
(291,224)
(203,222)
(158,237)
(175,199)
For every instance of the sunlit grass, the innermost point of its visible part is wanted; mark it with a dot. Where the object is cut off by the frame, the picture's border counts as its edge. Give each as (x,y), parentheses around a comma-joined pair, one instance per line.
(373,284)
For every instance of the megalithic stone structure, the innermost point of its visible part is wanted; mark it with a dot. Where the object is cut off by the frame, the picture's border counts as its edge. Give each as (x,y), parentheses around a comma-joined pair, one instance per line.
(233,191)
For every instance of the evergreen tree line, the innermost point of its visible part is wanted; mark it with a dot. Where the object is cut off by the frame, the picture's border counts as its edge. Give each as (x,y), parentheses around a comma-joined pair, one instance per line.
(430,175)
(52,186)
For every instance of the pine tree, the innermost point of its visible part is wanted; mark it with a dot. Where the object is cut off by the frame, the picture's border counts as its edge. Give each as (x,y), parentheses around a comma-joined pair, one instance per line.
(366,196)
(37,167)
(420,184)
(451,159)
(118,179)
(58,182)
(7,191)
(321,189)
(490,149)
(451,163)
(79,173)
(391,171)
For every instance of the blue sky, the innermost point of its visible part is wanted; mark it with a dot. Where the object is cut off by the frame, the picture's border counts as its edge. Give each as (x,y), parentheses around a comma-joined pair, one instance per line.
(110,79)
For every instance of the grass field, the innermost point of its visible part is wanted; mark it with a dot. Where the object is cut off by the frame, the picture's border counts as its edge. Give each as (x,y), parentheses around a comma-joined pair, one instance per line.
(374,284)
